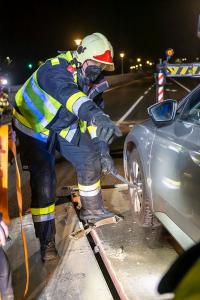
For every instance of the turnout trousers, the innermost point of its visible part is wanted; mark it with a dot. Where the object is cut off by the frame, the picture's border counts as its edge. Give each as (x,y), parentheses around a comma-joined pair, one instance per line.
(41,165)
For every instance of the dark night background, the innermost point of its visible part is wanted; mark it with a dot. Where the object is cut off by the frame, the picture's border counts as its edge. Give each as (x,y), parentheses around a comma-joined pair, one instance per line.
(36,30)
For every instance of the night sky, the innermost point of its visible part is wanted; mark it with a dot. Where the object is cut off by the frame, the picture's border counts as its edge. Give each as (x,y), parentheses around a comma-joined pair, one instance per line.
(142,28)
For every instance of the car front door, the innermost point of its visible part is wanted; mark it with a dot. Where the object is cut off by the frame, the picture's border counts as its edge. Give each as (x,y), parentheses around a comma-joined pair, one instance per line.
(175,169)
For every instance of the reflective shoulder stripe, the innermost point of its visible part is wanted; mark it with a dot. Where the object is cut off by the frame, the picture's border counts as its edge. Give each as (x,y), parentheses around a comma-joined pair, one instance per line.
(87,188)
(55,61)
(72,99)
(43,211)
(92,131)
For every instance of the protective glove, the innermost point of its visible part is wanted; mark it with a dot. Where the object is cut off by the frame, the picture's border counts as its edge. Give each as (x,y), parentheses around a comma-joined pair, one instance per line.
(3,233)
(106,129)
(107,164)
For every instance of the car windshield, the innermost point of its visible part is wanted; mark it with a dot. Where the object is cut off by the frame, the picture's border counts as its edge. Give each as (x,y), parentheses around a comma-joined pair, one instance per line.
(194,93)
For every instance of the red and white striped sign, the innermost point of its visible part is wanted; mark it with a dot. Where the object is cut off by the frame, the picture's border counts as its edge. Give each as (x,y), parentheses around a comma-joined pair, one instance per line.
(160,87)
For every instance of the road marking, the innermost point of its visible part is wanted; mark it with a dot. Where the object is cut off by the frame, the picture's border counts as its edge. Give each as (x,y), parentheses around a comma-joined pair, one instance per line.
(181,85)
(132,108)
(171,90)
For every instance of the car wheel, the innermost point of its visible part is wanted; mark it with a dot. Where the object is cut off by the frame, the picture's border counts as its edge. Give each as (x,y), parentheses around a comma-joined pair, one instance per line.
(142,212)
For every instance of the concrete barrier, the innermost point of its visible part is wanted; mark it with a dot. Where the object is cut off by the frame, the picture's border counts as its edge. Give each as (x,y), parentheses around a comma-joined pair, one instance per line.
(123,78)
(113,80)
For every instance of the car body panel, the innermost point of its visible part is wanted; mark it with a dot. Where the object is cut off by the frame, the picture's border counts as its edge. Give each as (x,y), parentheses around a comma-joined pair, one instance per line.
(170,157)
(175,176)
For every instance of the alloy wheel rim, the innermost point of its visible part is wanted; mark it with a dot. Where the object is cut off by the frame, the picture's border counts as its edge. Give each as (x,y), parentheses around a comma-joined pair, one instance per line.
(137,192)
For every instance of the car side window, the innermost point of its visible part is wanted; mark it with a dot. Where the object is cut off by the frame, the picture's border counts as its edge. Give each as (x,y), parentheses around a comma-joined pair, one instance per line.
(191,112)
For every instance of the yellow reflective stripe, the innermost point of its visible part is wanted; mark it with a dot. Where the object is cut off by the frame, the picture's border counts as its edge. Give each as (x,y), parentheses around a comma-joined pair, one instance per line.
(43,211)
(72,99)
(24,122)
(68,56)
(83,126)
(92,129)
(75,76)
(88,188)
(21,119)
(64,132)
(45,131)
(55,61)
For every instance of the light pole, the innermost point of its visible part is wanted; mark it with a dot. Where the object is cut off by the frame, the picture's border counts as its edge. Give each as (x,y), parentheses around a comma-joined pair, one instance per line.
(122,62)
(77,42)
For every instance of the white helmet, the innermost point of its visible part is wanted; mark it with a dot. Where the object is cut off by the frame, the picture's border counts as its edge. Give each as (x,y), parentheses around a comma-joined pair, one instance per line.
(96,47)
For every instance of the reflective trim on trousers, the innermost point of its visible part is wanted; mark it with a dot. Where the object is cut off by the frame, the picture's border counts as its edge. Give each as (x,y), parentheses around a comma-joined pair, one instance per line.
(43,218)
(43,210)
(88,188)
(90,193)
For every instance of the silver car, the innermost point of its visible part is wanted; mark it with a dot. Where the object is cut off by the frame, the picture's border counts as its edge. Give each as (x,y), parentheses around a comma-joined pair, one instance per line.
(162,159)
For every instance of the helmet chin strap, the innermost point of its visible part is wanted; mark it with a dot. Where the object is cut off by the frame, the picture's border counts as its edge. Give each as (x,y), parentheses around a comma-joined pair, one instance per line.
(84,67)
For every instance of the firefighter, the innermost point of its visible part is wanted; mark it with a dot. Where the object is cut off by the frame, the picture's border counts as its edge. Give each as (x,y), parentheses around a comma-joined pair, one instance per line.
(6,290)
(60,107)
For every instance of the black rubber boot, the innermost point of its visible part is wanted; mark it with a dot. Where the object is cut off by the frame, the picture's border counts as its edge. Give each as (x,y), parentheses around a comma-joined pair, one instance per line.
(48,250)
(92,210)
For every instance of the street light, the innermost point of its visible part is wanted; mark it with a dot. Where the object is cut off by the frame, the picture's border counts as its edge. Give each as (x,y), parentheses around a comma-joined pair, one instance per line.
(138,59)
(122,62)
(78,42)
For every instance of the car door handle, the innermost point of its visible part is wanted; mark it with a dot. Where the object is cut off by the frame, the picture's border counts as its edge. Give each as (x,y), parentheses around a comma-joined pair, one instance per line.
(195,156)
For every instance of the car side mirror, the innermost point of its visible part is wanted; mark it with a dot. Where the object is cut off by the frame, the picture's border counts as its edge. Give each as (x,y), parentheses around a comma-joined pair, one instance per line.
(163,113)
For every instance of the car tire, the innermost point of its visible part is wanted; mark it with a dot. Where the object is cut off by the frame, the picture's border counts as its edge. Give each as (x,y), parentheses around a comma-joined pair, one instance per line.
(141,206)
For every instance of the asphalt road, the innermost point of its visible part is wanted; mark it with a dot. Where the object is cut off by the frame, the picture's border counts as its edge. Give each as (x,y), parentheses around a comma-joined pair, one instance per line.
(118,101)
